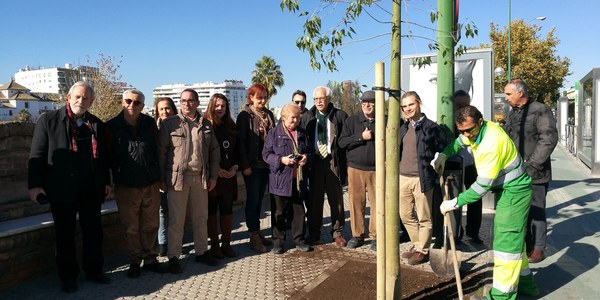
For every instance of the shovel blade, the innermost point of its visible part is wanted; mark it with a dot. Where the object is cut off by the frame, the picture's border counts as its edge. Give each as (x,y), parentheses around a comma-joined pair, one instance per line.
(441,262)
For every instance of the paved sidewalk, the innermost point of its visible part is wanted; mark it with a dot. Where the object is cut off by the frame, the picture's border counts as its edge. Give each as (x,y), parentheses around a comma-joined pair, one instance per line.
(572,269)
(569,272)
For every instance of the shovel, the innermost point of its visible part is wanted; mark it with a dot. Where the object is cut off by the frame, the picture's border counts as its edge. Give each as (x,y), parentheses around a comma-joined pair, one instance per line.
(441,263)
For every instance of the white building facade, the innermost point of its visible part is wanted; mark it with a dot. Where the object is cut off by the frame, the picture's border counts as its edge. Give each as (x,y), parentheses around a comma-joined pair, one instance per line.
(234,90)
(14,98)
(55,80)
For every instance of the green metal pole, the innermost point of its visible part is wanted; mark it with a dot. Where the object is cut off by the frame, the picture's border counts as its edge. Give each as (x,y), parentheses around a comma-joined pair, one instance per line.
(445,65)
(509,21)
(392,216)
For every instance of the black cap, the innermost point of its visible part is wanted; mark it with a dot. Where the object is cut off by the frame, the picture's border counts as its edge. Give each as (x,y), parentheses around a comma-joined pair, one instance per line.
(368,96)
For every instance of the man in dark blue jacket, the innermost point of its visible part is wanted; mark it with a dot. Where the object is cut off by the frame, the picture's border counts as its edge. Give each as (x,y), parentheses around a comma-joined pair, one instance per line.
(68,166)
(133,145)
(420,139)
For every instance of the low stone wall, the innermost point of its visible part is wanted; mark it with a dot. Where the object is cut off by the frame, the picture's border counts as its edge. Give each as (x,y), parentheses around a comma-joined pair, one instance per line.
(31,253)
(15,143)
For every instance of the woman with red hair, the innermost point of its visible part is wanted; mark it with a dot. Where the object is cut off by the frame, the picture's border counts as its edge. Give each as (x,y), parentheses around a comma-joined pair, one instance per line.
(253,123)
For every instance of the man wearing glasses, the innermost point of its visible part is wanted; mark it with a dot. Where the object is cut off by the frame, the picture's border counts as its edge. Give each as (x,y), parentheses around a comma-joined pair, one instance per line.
(324,125)
(189,158)
(501,170)
(133,144)
(299,98)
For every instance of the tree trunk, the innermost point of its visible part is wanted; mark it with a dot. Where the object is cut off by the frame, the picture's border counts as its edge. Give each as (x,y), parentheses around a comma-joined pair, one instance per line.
(392,217)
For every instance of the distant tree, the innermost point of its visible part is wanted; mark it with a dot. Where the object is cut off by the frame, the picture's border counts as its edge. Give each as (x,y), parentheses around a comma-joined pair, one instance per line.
(344,95)
(533,59)
(23,116)
(268,73)
(103,75)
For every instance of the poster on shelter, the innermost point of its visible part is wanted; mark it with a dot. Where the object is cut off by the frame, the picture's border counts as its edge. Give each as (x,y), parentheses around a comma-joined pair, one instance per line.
(472,73)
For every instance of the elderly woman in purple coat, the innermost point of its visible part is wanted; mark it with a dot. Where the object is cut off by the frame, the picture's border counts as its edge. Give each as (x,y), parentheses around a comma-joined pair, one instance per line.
(286,150)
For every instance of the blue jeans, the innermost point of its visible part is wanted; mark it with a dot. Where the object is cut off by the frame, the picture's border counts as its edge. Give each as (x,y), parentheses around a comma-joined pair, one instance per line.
(256,184)
(164,219)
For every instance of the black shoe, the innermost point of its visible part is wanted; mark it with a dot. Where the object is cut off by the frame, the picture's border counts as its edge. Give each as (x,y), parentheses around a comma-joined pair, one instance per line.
(134,271)
(162,249)
(277,249)
(475,238)
(207,259)
(69,286)
(311,240)
(373,245)
(355,242)
(99,278)
(174,266)
(155,267)
(304,247)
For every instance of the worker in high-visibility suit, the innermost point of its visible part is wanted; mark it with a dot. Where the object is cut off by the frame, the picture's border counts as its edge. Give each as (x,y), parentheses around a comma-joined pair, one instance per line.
(500,170)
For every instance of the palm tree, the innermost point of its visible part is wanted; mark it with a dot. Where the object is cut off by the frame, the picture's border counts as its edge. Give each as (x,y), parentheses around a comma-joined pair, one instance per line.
(269,74)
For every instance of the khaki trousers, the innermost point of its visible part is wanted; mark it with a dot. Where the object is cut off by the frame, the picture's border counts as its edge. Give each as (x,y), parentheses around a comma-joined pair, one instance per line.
(138,213)
(359,183)
(197,198)
(415,212)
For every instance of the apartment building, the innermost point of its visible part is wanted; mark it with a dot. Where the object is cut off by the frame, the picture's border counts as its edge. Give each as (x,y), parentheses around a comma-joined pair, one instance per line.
(55,80)
(234,90)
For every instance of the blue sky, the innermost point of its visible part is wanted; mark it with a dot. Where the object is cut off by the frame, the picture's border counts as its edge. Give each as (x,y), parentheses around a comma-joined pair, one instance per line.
(163,42)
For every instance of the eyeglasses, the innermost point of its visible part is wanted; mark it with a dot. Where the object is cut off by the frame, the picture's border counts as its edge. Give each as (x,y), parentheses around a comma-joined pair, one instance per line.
(183,101)
(468,130)
(300,102)
(320,98)
(135,103)
(367,102)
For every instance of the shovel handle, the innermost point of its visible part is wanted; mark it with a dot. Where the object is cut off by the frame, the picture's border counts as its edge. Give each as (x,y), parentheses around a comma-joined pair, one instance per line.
(454,257)
(448,225)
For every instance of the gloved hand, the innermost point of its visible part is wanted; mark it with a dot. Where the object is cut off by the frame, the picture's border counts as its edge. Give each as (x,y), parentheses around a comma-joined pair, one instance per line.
(438,162)
(449,205)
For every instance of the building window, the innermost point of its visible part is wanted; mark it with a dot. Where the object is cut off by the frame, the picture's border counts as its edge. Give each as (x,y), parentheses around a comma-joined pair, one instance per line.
(26,104)
(10,112)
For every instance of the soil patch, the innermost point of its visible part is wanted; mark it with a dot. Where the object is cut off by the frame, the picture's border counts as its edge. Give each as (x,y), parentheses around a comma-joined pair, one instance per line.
(352,279)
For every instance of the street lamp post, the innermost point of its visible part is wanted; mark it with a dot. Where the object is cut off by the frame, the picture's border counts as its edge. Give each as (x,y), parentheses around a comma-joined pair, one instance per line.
(508,63)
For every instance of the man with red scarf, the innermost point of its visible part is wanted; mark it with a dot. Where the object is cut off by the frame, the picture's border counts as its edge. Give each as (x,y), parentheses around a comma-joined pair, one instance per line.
(68,167)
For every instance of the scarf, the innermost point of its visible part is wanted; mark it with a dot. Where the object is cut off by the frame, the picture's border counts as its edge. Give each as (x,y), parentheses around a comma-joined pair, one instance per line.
(264,122)
(322,126)
(296,167)
(73,130)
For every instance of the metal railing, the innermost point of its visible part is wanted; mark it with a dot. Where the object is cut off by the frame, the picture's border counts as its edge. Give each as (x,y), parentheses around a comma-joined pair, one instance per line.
(571,140)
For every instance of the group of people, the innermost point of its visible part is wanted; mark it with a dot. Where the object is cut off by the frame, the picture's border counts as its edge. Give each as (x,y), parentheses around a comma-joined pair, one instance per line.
(186,163)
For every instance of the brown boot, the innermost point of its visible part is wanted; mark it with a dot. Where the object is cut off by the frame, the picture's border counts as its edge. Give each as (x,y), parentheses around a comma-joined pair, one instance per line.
(256,242)
(226,249)
(215,250)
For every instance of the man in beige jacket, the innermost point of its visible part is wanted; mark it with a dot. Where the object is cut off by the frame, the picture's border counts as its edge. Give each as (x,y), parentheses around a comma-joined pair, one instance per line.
(189,165)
